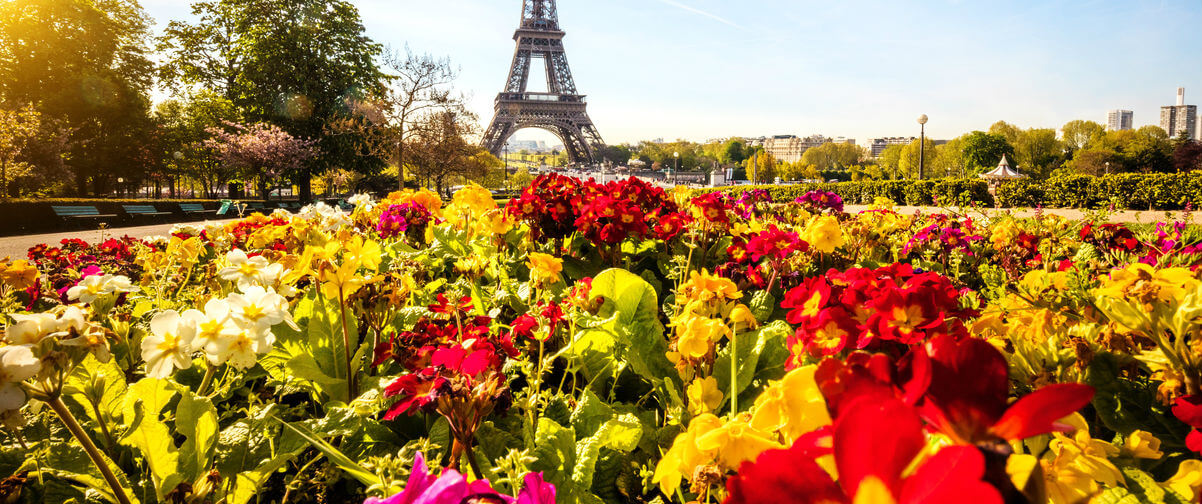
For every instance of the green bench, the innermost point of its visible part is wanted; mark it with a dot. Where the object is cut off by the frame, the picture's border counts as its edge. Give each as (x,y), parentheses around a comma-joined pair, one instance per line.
(80,212)
(143,210)
(194,208)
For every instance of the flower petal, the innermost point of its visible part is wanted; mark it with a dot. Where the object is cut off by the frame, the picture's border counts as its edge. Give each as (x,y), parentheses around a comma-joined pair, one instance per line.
(877,439)
(1036,412)
(951,476)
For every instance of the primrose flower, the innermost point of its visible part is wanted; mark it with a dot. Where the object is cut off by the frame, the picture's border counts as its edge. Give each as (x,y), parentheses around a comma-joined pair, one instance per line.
(453,488)
(736,442)
(697,335)
(260,308)
(17,364)
(243,348)
(169,346)
(243,270)
(545,269)
(363,201)
(30,329)
(824,234)
(19,274)
(684,457)
(704,395)
(793,405)
(93,287)
(212,325)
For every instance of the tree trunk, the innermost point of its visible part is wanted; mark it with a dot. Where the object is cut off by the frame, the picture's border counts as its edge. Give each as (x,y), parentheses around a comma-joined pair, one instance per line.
(306,186)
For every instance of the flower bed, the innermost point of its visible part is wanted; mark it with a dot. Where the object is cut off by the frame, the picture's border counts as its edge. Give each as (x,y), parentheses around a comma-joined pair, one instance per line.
(611,343)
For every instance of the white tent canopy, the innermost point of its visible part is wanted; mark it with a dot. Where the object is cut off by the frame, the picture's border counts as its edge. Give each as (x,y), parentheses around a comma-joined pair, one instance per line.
(1003,172)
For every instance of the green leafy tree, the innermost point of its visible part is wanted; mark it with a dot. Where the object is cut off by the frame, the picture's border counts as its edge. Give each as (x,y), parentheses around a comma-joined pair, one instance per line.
(295,63)
(909,160)
(1038,152)
(18,128)
(86,64)
(889,161)
(1080,134)
(983,151)
(186,124)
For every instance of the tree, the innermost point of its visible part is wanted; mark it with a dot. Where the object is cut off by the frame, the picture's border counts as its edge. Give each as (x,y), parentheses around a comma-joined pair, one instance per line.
(415,86)
(616,154)
(833,156)
(733,151)
(1187,154)
(949,159)
(1095,160)
(762,168)
(1038,152)
(909,160)
(17,129)
(83,63)
(984,151)
(294,63)
(186,125)
(1079,134)
(441,152)
(263,152)
(889,161)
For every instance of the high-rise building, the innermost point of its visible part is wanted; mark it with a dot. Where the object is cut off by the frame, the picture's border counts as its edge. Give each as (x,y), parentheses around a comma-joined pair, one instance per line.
(1118,120)
(1179,118)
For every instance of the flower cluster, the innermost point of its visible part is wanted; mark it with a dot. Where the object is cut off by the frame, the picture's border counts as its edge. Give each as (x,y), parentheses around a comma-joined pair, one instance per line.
(865,308)
(821,201)
(943,236)
(410,219)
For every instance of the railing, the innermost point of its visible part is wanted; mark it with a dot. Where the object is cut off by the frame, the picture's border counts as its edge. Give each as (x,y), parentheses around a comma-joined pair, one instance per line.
(547,97)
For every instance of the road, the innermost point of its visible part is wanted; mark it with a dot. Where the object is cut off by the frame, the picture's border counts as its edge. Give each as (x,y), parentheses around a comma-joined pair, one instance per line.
(16,246)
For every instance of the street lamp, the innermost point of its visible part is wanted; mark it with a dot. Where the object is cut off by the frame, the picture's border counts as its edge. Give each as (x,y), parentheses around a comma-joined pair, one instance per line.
(677,170)
(922,144)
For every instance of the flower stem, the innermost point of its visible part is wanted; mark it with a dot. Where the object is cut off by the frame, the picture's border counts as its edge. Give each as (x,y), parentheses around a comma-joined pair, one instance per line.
(207,380)
(734,371)
(56,404)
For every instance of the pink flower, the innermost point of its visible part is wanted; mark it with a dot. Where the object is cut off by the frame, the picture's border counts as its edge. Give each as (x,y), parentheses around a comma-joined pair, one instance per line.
(453,488)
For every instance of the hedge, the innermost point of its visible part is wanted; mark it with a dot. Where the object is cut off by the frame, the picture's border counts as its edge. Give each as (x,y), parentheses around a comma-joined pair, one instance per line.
(1126,191)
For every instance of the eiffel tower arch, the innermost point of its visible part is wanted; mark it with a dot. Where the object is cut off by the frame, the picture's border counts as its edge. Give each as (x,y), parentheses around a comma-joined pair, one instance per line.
(560,110)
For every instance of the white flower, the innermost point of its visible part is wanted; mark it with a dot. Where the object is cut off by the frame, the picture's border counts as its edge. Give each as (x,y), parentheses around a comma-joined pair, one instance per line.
(242,269)
(30,329)
(212,326)
(89,288)
(242,349)
(94,286)
(260,308)
(169,346)
(157,240)
(17,364)
(188,229)
(72,318)
(362,200)
(280,213)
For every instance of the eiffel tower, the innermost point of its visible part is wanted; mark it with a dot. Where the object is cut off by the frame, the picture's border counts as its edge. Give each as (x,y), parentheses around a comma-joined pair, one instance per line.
(561,110)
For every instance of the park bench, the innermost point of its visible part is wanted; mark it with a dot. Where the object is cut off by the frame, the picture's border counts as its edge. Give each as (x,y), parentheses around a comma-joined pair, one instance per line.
(143,211)
(80,212)
(194,208)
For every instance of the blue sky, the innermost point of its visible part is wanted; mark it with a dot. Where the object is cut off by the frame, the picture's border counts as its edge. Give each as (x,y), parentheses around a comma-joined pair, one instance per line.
(700,69)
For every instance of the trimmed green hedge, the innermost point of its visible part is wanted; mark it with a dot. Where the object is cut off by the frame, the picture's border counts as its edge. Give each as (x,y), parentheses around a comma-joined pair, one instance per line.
(1126,191)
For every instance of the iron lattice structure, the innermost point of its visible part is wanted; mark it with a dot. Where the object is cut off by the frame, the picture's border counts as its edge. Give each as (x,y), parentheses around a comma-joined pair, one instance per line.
(561,110)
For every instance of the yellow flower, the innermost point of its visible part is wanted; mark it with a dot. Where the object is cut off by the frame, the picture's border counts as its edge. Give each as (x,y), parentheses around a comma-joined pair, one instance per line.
(743,319)
(185,252)
(792,405)
(362,252)
(1079,466)
(697,335)
(824,234)
(684,456)
(1142,444)
(704,288)
(544,268)
(1188,480)
(1144,283)
(341,282)
(704,395)
(736,442)
(18,274)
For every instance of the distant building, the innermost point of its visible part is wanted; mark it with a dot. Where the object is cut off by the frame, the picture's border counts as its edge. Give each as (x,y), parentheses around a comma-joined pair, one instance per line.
(1179,118)
(526,145)
(789,148)
(880,144)
(1119,120)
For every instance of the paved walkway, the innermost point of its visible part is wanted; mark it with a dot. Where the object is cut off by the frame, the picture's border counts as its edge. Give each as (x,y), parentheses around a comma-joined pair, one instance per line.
(1125,216)
(16,246)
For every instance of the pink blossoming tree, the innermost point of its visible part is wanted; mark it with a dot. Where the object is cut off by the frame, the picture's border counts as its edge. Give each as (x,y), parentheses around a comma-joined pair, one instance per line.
(262,152)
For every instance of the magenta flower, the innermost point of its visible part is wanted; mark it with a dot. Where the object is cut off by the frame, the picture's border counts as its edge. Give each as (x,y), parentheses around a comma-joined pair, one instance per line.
(453,488)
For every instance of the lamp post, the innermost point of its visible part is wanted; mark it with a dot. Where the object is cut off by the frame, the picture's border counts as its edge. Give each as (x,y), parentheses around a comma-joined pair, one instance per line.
(675,171)
(120,187)
(506,154)
(922,144)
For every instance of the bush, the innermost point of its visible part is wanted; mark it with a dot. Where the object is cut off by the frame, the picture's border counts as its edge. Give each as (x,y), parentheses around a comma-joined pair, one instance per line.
(1122,191)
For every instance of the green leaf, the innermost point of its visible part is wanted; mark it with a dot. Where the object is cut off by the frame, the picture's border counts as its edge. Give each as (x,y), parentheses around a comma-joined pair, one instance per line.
(103,382)
(153,394)
(337,457)
(633,305)
(305,367)
(153,440)
(751,347)
(70,462)
(590,413)
(196,420)
(1125,405)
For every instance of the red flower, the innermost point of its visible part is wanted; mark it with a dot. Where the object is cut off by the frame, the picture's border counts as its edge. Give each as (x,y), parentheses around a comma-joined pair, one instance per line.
(874,444)
(416,390)
(969,389)
(1189,410)
(444,306)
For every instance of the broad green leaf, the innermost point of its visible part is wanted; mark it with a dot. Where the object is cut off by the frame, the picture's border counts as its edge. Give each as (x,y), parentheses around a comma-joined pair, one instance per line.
(70,462)
(337,457)
(105,382)
(590,413)
(633,304)
(305,367)
(751,347)
(153,440)
(154,395)
(196,419)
